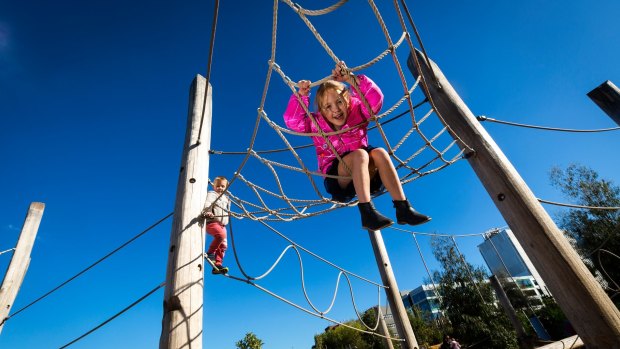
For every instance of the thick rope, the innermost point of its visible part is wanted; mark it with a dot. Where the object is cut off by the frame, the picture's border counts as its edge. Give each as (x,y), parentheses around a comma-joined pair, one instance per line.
(484,118)
(208,77)
(297,248)
(611,208)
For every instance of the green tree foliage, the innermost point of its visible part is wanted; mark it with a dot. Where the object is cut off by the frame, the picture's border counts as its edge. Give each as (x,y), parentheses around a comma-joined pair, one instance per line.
(554,320)
(468,302)
(250,341)
(427,331)
(596,232)
(339,336)
(370,318)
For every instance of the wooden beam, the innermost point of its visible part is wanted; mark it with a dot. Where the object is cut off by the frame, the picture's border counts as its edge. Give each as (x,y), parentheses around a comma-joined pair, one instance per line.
(607,97)
(20,260)
(183,297)
(593,315)
(573,342)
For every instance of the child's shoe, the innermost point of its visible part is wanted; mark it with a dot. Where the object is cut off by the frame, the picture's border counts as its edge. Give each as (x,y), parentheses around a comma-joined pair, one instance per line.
(219,269)
(371,218)
(405,214)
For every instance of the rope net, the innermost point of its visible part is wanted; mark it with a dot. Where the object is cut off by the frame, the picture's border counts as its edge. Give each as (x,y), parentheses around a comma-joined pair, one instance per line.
(281,181)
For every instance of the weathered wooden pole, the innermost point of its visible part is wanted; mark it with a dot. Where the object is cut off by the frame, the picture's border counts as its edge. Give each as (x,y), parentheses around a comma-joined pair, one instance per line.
(183,296)
(522,337)
(588,308)
(20,260)
(401,320)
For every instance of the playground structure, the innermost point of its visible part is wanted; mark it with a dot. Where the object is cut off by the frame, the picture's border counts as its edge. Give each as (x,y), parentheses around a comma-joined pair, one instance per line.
(194,179)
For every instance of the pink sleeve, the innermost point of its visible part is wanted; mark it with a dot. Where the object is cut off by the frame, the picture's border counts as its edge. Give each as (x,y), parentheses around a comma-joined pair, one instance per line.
(372,93)
(295,116)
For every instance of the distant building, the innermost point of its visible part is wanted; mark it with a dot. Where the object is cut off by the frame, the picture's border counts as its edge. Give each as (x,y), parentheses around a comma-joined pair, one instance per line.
(506,258)
(423,299)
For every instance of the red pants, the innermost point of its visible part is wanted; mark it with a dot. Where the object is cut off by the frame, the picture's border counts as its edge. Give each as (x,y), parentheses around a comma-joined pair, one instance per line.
(219,244)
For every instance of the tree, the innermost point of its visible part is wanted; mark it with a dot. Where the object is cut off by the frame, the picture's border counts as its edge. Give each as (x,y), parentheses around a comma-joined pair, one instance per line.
(426,330)
(595,232)
(339,336)
(250,341)
(467,300)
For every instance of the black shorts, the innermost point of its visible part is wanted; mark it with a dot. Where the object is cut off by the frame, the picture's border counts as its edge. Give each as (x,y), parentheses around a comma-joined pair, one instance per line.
(347,194)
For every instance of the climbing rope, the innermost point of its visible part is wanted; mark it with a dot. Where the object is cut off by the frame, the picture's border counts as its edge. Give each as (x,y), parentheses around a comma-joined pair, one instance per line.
(485,118)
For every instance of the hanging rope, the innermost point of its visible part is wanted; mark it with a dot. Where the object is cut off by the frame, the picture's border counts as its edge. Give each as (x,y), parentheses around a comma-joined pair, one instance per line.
(484,118)
(314,310)
(612,208)
(208,77)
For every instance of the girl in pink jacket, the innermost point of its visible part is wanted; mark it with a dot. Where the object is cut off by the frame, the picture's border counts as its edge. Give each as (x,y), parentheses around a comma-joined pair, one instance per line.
(364,170)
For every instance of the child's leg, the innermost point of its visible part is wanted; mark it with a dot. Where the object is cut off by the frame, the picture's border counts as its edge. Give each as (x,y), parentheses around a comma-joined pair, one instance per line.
(219,244)
(387,172)
(405,214)
(357,162)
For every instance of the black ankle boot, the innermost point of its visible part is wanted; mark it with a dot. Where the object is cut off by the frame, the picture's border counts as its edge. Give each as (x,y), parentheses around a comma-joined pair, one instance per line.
(405,214)
(371,218)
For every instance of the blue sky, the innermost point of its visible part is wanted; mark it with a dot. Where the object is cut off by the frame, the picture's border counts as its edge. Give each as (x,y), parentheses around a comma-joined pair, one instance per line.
(93,101)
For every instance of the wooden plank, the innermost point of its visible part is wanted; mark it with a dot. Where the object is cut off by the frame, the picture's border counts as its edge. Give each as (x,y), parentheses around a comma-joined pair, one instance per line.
(573,342)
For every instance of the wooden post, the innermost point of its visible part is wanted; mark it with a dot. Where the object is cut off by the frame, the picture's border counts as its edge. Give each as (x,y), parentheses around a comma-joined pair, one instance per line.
(403,327)
(583,300)
(20,260)
(384,329)
(607,97)
(511,313)
(183,297)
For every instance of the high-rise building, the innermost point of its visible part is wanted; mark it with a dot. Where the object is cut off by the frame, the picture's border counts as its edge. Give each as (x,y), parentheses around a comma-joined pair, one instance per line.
(506,258)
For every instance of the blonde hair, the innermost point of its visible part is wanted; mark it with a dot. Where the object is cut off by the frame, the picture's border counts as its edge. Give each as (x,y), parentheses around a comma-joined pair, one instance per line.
(220,179)
(337,86)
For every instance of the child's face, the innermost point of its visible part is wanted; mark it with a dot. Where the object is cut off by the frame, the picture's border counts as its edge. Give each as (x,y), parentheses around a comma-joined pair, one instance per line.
(220,186)
(334,108)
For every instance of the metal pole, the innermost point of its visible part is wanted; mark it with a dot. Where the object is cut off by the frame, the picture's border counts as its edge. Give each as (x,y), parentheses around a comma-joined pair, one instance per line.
(583,300)
(183,297)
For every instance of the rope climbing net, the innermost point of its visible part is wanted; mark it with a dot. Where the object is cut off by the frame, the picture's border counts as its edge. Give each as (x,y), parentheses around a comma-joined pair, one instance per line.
(283,187)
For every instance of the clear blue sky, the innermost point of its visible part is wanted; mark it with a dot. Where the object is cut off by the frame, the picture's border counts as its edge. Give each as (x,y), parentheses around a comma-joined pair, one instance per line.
(93,103)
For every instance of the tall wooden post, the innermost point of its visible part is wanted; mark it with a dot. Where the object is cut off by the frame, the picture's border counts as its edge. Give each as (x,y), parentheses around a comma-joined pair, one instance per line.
(20,260)
(403,327)
(183,297)
(588,308)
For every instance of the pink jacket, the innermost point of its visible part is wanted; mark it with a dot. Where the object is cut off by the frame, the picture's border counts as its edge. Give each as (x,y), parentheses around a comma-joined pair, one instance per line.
(356,138)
